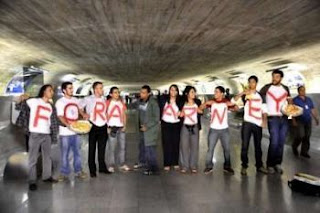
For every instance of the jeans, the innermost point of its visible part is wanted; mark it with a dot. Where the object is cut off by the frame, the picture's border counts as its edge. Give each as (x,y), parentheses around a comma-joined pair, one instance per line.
(189,147)
(249,129)
(302,135)
(120,138)
(278,128)
(151,158)
(142,152)
(67,143)
(224,136)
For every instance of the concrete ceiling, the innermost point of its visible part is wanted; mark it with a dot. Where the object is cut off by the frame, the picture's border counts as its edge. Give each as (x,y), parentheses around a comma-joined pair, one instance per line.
(129,42)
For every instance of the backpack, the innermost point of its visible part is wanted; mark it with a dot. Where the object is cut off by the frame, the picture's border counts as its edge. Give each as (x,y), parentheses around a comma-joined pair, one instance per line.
(306,184)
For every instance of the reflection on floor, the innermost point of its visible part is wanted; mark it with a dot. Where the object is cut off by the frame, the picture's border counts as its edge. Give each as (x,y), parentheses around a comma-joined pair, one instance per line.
(171,192)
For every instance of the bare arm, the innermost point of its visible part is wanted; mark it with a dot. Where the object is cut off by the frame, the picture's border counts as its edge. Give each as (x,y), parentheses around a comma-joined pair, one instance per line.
(314,113)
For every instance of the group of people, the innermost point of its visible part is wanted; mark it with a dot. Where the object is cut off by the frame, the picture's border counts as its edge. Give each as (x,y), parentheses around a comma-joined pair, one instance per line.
(179,118)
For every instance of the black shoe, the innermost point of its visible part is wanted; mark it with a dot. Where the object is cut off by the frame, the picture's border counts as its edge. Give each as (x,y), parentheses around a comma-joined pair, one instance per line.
(295,151)
(208,171)
(305,155)
(93,175)
(50,180)
(32,187)
(228,170)
(150,172)
(105,172)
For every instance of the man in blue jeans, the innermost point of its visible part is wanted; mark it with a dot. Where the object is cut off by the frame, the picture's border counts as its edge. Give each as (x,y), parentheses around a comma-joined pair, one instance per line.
(68,112)
(274,96)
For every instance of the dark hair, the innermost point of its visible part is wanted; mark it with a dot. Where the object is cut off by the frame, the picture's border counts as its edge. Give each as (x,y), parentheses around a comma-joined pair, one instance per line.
(95,84)
(277,71)
(221,89)
(186,91)
(299,87)
(147,87)
(64,85)
(178,95)
(43,89)
(112,89)
(253,77)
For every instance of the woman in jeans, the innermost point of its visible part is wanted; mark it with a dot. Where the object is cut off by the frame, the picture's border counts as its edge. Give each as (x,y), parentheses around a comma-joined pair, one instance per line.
(189,137)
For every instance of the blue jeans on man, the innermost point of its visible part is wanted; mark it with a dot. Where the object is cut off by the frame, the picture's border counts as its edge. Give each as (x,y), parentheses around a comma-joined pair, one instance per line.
(67,143)
(278,128)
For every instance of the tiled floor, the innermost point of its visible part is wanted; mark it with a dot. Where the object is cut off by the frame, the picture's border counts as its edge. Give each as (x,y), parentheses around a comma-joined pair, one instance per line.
(171,192)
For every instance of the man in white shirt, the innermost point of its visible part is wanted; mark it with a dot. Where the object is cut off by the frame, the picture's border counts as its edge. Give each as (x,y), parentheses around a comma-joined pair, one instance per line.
(117,119)
(68,112)
(274,96)
(252,124)
(219,129)
(95,106)
(42,117)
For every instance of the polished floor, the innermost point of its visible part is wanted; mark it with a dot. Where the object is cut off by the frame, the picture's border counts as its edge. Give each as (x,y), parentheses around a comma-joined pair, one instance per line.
(171,192)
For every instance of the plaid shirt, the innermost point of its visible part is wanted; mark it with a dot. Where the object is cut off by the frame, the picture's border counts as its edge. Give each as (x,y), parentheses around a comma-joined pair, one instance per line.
(24,116)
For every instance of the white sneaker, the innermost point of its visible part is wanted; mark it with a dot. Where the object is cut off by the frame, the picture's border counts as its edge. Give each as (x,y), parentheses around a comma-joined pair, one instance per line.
(111,169)
(278,169)
(271,170)
(124,168)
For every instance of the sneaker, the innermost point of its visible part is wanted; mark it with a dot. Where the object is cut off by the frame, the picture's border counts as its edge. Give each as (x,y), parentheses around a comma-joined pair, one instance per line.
(111,169)
(228,170)
(50,180)
(305,155)
(271,170)
(62,178)
(278,169)
(183,171)
(124,168)
(208,171)
(262,170)
(176,168)
(81,175)
(138,166)
(33,187)
(194,171)
(243,171)
(166,168)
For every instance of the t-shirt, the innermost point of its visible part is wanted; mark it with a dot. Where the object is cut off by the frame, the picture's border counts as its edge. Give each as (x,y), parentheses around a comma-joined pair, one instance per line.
(190,114)
(115,111)
(276,97)
(219,115)
(69,109)
(253,109)
(96,108)
(40,113)
(170,113)
(307,106)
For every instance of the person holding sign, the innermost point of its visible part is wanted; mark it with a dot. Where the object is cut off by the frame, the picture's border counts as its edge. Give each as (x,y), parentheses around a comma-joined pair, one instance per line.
(189,139)
(274,96)
(219,129)
(116,119)
(170,107)
(43,128)
(68,112)
(253,121)
(95,106)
